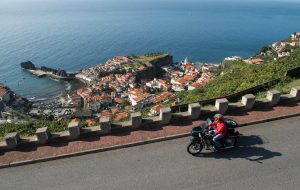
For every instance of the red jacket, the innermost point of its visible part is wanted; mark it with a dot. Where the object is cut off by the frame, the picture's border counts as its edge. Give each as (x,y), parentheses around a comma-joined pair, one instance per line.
(221,128)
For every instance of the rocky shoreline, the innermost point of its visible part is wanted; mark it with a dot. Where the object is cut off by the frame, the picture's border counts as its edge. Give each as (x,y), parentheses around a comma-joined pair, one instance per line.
(55,74)
(9,101)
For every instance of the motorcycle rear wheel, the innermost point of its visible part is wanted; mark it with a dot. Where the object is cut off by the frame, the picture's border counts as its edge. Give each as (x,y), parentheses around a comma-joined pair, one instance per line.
(194,148)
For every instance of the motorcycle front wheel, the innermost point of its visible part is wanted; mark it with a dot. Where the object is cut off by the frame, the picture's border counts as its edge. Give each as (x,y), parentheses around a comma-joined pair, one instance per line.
(194,148)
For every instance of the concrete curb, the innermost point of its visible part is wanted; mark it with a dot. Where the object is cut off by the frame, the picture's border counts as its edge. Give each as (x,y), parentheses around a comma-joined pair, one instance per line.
(137,143)
(269,119)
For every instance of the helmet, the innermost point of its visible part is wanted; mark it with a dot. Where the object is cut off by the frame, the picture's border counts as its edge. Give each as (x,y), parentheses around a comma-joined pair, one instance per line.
(218,117)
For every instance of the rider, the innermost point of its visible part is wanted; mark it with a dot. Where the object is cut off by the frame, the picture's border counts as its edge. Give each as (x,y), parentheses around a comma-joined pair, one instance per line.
(221,130)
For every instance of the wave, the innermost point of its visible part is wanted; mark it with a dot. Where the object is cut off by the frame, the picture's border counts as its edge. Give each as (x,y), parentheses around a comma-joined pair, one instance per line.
(31,98)
(34,99)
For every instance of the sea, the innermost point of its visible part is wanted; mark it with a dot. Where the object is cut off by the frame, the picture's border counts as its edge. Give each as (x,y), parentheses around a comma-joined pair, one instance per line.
(77,34)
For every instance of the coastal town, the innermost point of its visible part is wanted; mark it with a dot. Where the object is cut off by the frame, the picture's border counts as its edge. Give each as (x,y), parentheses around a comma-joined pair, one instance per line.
(126,84)
(120,91)
(118,94)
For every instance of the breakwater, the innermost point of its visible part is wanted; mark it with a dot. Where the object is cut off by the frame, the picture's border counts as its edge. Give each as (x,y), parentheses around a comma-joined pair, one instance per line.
(57,74)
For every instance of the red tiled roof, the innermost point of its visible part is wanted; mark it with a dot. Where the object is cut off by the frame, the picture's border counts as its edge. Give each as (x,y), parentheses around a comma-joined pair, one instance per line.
(90,122)
(256,61)
(135,90)
(189,77)
(182,80)
(106,113)
(196,84)
(120,116)
(84,92)
(157,107)
(119,100)
(115,110)
(142,96)
(3,91)
(163,96)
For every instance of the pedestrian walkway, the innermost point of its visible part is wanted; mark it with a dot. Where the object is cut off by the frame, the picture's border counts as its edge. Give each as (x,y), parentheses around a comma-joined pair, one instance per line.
(55,150)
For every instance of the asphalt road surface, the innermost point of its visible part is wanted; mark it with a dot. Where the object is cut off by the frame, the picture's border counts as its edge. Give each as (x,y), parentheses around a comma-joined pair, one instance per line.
(268,157)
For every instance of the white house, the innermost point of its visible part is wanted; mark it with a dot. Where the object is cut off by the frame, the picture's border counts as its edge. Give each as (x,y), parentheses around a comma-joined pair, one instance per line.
(178,87)
(233,58)
(155,110)
(88,78)
(154,84)
(283,54)
(139,100)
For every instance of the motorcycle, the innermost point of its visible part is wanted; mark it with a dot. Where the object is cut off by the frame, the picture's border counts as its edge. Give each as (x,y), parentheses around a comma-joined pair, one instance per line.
(203,138)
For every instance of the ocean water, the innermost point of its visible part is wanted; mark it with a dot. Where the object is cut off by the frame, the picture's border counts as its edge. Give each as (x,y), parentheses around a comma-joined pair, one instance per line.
(76,34)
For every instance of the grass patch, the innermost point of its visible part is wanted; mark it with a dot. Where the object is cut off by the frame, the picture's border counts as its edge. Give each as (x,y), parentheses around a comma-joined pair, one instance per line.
(285,86)
(151,56)
(134,65)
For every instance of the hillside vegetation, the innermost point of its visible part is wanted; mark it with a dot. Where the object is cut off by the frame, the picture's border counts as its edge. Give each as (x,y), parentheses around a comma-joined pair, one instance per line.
(237,76)
(28,128)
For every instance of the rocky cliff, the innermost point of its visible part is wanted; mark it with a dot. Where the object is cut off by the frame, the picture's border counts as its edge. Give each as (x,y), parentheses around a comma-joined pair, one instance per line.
(162,61)
(14,102)
(154,69)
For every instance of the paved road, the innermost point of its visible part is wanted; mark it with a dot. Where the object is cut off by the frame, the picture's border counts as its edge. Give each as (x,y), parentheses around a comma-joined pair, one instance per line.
(267,158)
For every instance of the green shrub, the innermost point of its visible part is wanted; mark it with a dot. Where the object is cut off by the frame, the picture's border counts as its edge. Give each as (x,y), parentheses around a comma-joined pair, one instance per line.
(28,128)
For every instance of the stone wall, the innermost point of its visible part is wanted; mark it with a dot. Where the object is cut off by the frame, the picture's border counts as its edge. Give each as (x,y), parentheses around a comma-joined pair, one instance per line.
(248,102)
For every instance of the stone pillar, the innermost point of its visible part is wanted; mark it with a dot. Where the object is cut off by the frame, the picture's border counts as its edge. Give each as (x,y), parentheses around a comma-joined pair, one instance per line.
(136,120)
(74,129)
(105,125)
(12,140)
(273,96)
(248,101)
(295,92)
(194,110)
(165,115)
(222,105)
(42,135)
